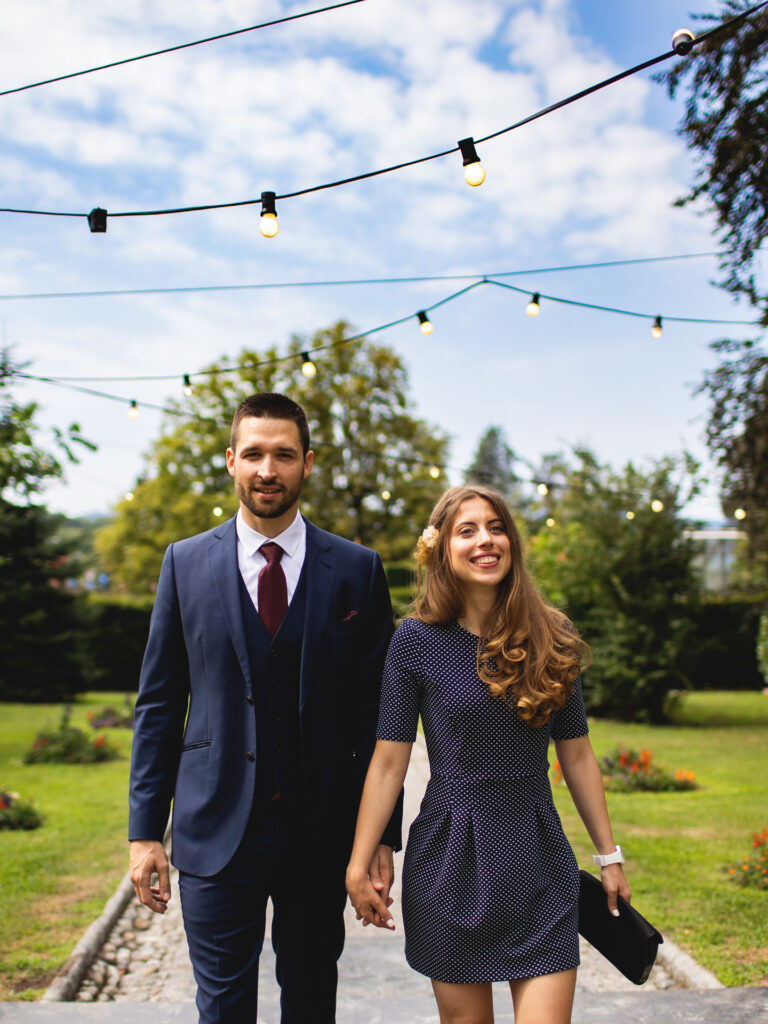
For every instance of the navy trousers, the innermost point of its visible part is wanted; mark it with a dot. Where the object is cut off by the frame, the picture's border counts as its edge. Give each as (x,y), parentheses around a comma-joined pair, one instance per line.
(224,918)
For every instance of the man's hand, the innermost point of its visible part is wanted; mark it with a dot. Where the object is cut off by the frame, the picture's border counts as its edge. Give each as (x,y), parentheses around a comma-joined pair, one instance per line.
(381,872)
(148,858)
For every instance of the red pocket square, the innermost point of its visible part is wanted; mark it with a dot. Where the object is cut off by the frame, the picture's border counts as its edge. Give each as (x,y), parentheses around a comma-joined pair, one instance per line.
(350,615)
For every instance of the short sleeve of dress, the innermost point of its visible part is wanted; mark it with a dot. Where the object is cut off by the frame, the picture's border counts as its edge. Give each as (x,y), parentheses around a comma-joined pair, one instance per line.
(401,687)
(570,722)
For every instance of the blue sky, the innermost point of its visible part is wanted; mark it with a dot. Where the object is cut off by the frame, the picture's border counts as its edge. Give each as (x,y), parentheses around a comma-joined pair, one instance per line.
(332,96)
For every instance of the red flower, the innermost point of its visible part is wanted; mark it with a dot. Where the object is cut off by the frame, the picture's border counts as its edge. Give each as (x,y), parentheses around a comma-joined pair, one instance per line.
(634,768)
(624,758)
(99,741)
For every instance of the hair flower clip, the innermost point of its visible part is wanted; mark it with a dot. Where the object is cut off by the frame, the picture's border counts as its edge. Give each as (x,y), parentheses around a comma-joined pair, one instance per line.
(429,536)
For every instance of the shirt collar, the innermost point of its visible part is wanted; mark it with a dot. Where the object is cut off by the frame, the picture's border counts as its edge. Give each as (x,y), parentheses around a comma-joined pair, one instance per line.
(289,540)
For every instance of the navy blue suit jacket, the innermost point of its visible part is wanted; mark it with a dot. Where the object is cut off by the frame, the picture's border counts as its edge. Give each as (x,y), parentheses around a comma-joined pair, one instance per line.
(194,727)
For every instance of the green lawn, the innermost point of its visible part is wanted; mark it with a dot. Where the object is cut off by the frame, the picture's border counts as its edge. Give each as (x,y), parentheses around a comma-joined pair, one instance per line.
(678,845)
(54,881)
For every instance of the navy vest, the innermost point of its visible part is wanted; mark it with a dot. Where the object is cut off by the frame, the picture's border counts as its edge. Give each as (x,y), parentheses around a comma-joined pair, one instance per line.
(275,664)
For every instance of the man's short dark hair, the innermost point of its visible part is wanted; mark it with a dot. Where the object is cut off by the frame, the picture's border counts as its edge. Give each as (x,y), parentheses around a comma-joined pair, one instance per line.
(270,406)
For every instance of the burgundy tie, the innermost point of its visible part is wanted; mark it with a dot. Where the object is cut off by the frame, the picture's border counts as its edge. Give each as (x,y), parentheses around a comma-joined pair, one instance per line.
(272,589)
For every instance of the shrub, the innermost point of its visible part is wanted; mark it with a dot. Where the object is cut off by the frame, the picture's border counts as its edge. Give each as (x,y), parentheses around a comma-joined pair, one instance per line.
(69,745)
(624,770)
(112,718)
(753,870)
(762,646)
(16,813)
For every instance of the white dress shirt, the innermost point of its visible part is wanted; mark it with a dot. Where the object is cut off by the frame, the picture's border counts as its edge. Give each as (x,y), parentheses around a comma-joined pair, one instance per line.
(250,560)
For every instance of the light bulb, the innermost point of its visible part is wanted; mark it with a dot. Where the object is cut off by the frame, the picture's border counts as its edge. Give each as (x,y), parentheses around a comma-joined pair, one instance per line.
(218,511)
(426,324)
(308,368)
(473,170)
(656,330)
(386,495)
(133,412)
(550,521)
(682,41)
(532,309)
(630,515)
(187,385)
(268,225)
(542,489)
(128,495)
(657,506)
(434,472)
(740,513)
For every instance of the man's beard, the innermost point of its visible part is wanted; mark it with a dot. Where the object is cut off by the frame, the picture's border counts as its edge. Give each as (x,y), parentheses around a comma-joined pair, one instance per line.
(272,509)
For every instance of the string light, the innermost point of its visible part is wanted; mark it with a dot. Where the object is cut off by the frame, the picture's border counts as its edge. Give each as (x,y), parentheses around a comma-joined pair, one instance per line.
(657,506)
(426,324)
(656,330)
(473,170)
(386,495)
(682,41)
(133,412)
(532,309)
(542,489)
(268,225)
(589,91)
(187,385)
(740,513)
(550,522)
(434,472)
(218,511)
(128,495)
(97,220)
(630,515)
(308,368)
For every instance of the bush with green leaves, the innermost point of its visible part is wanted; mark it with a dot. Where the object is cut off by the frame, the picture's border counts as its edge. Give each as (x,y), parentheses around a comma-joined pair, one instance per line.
(762,645)
(69,745)
(17,813)
(613,552)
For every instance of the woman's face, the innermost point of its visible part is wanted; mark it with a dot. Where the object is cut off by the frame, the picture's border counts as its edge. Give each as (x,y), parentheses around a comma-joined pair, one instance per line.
(478,546)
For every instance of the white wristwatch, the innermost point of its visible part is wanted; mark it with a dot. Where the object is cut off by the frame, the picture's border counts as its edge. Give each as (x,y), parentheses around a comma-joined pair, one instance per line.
(603,859)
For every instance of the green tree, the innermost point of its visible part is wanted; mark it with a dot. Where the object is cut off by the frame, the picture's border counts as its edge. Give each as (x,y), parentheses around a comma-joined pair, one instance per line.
(493,464)
(620,567)
(725,83)
(40,634)
(374,475)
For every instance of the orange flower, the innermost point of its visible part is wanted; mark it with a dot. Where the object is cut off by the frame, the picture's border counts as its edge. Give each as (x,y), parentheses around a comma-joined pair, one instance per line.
(645,757)
(732,871)
(624,758)
(99,741)
(634,767)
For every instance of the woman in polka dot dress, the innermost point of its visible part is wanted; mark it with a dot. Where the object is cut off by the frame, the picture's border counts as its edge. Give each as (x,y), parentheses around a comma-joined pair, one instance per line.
(490,883)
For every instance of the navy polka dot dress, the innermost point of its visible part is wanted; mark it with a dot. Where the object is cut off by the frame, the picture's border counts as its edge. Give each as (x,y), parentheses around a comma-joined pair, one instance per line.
(490,883)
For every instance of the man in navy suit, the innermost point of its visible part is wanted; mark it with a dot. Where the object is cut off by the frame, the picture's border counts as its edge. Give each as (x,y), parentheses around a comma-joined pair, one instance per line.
(256,716)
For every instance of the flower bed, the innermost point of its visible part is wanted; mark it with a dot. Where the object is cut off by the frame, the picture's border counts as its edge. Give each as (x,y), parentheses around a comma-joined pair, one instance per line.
(69,745)
(625,771)
(753,870)
(16,813)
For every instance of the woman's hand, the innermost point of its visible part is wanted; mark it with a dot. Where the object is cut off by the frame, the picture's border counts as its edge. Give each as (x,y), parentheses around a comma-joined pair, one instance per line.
(368,904)
(615,884)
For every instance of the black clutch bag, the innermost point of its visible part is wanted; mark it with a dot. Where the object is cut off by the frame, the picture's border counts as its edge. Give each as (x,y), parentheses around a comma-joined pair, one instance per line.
(628,941)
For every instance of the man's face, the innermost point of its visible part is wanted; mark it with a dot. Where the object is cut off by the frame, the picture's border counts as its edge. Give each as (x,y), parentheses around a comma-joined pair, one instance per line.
(269,468)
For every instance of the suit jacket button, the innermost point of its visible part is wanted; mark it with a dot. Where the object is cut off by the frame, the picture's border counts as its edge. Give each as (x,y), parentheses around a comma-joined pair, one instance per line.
(273,652)
(249,755)
(249,698)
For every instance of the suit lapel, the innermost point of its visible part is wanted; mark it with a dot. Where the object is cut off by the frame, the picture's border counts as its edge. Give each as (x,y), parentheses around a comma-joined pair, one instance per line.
(226,574)
(320,582)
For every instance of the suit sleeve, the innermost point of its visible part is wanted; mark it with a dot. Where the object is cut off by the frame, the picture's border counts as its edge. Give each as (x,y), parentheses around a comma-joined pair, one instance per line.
(378,635)
(161,709)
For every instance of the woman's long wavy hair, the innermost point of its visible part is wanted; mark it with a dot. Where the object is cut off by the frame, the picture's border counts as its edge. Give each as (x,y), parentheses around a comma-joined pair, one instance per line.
(532,652)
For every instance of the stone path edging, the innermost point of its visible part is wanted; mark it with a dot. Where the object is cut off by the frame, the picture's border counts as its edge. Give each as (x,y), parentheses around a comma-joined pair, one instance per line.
(64,986)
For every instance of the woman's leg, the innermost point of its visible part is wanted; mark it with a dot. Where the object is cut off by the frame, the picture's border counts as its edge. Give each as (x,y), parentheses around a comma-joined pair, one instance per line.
(547,999)
(463,1004)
